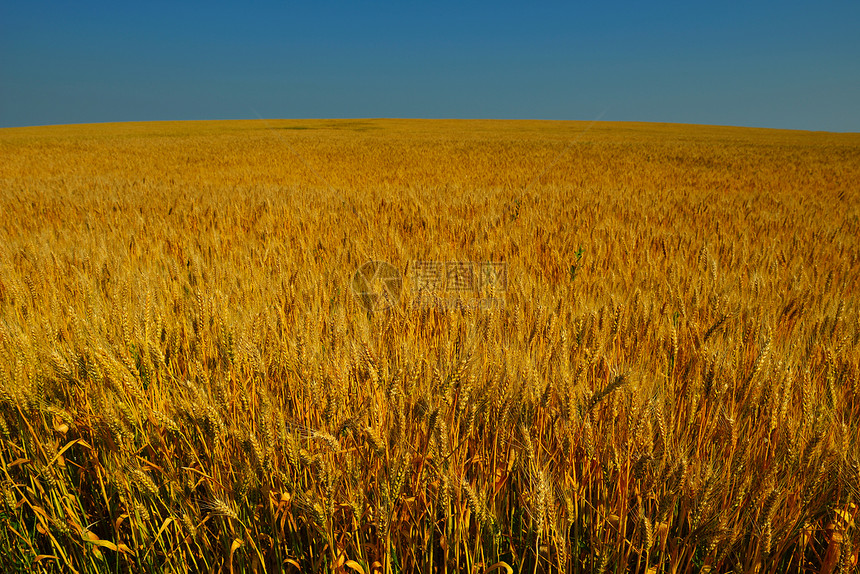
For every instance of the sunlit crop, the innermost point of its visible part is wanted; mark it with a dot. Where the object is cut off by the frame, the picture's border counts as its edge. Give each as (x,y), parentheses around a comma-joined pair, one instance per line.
(669,383)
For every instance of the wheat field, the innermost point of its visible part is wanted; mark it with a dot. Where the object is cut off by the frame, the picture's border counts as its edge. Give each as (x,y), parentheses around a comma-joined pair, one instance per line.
(669,381)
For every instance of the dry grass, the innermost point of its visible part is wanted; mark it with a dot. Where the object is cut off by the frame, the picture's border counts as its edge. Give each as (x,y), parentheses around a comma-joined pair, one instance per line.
(187,383)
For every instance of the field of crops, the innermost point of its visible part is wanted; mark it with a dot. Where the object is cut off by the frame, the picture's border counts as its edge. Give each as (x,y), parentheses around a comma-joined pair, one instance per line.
(662,374)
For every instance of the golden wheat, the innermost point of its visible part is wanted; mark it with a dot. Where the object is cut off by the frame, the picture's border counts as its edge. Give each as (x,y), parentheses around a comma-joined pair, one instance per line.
(666,381)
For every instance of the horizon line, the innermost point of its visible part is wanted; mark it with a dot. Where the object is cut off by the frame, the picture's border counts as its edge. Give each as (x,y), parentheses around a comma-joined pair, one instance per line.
(428,119)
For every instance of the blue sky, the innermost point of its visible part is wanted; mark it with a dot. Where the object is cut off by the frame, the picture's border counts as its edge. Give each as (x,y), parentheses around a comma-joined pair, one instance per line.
(766,64)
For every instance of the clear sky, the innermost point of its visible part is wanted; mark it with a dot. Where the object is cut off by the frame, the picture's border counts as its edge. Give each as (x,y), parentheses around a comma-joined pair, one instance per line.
(779,64)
